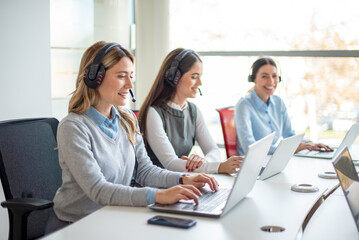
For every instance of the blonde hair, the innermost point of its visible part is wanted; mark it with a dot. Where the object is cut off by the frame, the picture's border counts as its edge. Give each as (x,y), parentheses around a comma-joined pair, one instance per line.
(84,97)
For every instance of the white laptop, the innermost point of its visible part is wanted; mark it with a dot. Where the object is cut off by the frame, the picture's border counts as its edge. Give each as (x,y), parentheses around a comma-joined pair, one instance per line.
(215,204)
(280,158)
(349,181)
(347,142)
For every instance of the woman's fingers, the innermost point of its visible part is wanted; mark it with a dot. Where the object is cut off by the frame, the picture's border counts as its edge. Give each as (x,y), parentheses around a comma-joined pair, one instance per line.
(190,192)
(187,159)
(176,193)
(193,162)
(204,178)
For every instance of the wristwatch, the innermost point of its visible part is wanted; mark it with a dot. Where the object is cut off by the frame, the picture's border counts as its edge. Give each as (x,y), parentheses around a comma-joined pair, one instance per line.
(181,178)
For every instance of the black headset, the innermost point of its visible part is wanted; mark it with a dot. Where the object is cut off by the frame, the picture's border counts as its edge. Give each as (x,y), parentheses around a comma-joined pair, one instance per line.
(173,74)
(251,77)
(95,72)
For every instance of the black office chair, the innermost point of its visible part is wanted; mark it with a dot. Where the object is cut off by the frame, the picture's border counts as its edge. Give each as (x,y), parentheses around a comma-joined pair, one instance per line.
(30,174)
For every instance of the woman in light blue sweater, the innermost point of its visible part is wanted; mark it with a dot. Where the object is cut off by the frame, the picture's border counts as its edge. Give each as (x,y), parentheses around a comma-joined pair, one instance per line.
(100,148)
(261,112)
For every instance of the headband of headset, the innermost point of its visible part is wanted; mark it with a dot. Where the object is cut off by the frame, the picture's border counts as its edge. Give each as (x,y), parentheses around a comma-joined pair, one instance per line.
(95,72)
(173,74)
(251,77)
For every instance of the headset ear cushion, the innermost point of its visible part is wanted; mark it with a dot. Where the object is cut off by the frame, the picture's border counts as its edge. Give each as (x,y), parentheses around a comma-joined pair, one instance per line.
(250,78)
(100,75)
(86,75)
(88,82)
(177,77)
(172,79)
(168,77)
(96,82)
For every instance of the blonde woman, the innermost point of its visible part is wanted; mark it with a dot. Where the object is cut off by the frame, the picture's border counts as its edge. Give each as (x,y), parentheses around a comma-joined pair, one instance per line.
(101,150)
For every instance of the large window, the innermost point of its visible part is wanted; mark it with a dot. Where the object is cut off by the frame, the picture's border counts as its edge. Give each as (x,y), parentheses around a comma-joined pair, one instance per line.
(315,43)
(228,25)
(75,25)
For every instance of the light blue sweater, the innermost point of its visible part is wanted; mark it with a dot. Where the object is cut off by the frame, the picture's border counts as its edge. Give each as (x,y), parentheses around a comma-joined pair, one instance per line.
(97,170)
(255,119)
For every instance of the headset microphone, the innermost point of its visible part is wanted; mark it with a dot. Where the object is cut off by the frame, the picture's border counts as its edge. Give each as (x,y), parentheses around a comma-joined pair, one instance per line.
(199,90)
(133,96)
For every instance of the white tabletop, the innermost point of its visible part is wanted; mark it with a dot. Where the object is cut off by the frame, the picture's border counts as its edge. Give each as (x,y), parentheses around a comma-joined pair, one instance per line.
(332,221)
(271,202)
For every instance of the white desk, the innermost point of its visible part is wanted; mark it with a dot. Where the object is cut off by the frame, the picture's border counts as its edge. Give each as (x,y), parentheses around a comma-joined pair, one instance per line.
(271,202)
(332,220)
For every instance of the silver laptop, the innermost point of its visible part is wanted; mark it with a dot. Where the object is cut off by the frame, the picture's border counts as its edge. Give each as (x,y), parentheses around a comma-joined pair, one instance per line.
(347,142)
(215,204)
(349,181)
(280,158)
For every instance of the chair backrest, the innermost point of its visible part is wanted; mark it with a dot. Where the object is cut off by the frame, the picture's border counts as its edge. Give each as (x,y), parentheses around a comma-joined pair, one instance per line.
(135,112)
(229,130)
(29,165)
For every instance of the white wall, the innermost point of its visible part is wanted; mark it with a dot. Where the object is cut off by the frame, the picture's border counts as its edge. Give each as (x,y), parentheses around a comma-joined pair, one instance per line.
(152,43)
(25,59)
(25,86)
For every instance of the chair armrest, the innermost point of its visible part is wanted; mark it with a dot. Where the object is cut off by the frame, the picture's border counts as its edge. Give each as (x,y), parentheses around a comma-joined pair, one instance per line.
(19,209)
(27,204)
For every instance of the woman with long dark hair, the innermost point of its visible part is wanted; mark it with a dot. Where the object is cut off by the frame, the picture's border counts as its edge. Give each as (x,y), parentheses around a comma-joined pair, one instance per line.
(171,125)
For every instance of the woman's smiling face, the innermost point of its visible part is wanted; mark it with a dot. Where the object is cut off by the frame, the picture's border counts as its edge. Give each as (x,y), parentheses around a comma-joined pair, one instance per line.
(266,81)
(190,81)
(116,84)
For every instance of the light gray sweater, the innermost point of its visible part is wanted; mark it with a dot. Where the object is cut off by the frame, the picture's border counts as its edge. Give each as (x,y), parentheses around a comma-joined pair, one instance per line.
(97,170)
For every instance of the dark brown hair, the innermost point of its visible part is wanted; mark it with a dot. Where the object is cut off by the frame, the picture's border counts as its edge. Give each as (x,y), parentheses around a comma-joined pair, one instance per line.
(161,92)
(258,64)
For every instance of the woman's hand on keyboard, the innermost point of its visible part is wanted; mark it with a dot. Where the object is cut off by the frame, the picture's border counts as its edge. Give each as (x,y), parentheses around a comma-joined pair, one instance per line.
(176,193)
(200,180)
(313,147)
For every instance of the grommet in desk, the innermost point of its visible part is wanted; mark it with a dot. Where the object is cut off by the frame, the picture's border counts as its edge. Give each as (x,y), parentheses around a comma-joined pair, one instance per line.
(305,188)
(328,175)
(272,229)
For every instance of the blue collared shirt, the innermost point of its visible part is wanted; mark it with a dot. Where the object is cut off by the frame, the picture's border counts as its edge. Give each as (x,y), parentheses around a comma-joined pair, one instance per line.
(110,128)
(254,120)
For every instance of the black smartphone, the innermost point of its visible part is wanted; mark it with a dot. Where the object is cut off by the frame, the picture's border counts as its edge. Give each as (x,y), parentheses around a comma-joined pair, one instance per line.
(172,221)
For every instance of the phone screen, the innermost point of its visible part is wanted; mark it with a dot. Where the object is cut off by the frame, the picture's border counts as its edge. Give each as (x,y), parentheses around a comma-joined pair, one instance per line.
(172,221)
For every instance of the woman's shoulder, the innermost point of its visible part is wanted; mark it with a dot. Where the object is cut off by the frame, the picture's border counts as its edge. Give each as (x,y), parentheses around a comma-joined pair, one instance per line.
(193,109)
(277,100)
(72,118)
(243,102)
(191,104)
(74,122)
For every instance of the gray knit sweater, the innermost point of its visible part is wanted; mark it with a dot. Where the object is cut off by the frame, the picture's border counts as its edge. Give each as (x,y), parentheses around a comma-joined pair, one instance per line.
(97,170)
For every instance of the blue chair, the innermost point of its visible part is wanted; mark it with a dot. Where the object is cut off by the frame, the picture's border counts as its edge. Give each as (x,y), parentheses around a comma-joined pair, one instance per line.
(30,174)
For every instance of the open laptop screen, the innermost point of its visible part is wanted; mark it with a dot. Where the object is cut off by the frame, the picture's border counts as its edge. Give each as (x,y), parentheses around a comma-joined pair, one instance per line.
(349,181)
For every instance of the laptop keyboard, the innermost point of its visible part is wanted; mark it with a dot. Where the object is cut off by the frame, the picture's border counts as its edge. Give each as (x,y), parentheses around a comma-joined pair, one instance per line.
(210,200)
